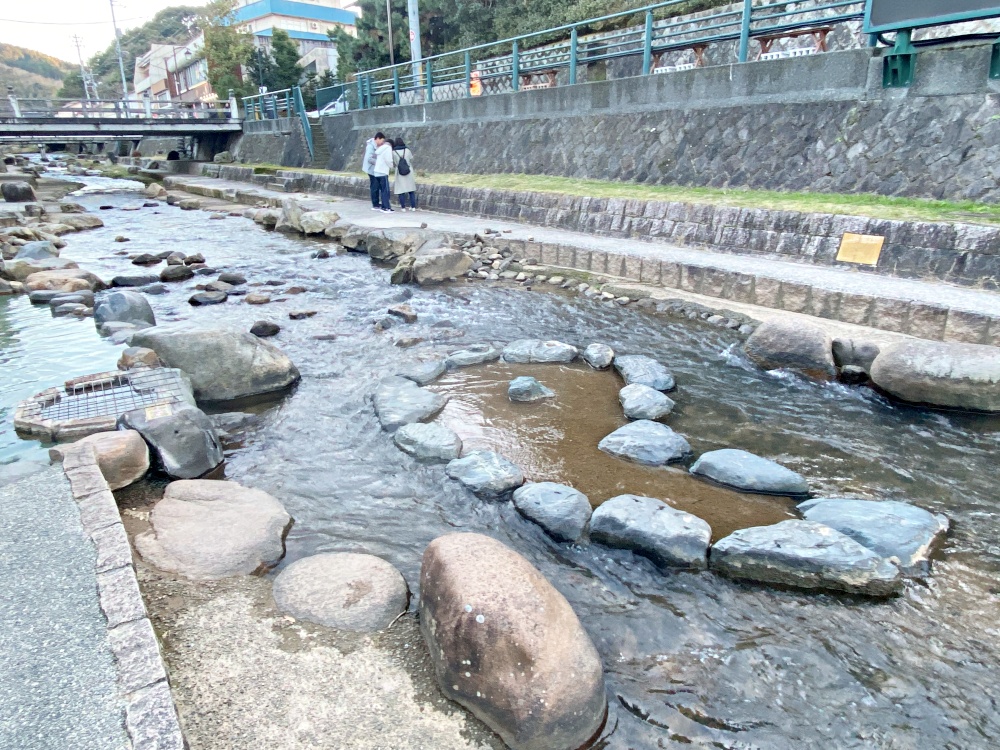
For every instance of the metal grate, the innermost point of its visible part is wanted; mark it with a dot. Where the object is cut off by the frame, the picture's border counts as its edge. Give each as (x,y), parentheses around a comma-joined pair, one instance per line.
(108,394)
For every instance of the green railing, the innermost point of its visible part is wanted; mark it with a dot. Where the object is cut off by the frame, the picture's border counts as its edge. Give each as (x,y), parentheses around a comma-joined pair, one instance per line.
(535,60)
(275,105)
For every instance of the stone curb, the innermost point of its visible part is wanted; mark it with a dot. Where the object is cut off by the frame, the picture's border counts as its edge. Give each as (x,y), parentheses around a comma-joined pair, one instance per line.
(150,714)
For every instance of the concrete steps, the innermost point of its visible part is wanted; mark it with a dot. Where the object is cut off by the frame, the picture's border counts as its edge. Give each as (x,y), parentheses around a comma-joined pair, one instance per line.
(321,150)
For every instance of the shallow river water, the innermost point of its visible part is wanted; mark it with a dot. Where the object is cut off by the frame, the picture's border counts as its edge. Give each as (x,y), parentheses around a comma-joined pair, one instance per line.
(690,658)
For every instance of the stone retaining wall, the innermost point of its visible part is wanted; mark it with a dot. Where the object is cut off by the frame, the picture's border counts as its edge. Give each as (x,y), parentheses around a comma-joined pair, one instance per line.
(280,141)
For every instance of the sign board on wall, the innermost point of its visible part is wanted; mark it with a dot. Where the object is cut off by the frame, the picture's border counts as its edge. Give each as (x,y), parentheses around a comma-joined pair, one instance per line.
(864,249)
(892,15)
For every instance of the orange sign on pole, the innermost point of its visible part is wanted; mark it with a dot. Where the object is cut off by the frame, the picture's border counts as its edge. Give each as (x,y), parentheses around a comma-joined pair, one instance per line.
(475,84)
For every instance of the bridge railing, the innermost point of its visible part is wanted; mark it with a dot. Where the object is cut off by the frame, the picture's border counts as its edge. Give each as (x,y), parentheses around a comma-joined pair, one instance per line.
(117,109)
(276,105)
(536,60)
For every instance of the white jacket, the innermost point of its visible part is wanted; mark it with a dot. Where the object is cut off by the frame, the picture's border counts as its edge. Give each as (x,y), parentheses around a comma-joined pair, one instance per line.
(369,152)
(383,160)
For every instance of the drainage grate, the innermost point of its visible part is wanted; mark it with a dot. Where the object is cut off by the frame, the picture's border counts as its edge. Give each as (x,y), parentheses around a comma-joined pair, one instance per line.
(93,403)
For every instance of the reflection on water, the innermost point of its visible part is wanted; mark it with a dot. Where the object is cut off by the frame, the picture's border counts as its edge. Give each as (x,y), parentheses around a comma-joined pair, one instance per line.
(690,658)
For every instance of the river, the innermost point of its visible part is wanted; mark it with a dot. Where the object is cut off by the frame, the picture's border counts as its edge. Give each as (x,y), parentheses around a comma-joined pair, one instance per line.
(690,658)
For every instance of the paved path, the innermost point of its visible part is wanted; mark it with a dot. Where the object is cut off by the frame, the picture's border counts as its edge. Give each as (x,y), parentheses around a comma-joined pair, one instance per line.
(824,277)
(58,680)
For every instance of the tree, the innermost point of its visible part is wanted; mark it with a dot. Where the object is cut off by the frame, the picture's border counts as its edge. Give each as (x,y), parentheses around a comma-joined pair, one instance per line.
(72,86)
(285,53)
(227,49)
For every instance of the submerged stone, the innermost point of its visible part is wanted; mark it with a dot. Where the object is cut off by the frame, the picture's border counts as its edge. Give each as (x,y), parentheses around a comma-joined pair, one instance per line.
(423,373)
(804,554)
(559,509)
(399,401)
(486,473)
(899,531)
(526,390)
(646,442)
(428,441)
(636,368)
(651,528)
(745,471)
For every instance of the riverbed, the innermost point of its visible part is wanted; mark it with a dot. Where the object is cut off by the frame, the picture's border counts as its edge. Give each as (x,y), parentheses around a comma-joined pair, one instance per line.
(690,658)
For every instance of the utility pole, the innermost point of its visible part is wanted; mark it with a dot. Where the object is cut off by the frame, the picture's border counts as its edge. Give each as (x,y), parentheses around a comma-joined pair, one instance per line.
(413,14)
(388,17)
(118,45)
(83,70)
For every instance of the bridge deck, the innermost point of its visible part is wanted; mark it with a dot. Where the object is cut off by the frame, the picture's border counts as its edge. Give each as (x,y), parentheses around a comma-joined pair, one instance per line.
(113,127)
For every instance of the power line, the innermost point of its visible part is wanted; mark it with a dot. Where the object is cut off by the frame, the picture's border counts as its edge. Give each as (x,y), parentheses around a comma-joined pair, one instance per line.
(67,23)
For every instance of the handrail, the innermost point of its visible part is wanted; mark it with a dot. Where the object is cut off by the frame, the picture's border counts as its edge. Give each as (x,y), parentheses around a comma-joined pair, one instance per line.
(529,54)
(300,109)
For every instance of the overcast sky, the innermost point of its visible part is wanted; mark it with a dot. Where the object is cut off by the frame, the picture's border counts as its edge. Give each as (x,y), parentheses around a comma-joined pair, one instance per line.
(49,25)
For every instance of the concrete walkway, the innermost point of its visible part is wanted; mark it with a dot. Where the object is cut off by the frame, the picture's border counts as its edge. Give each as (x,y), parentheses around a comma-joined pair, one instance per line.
(58,679)
(974,308)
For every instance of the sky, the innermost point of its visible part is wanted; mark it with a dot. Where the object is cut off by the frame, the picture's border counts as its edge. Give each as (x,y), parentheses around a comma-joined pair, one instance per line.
(49,25)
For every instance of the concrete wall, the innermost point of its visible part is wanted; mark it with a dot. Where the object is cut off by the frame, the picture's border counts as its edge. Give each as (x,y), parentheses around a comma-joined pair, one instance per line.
(818,123)
(280,141)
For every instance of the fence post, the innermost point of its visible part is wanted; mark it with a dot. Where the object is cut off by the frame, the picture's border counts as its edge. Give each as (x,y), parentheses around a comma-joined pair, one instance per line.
(468,74)
(572,56)
(395,85)
(745,30)
(647,44)
(361,96)
(430,83)
(234,106)
(147,104)
(515,67)
(12,98)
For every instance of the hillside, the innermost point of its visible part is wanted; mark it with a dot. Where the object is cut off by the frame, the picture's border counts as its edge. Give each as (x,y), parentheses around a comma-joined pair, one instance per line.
(32,74)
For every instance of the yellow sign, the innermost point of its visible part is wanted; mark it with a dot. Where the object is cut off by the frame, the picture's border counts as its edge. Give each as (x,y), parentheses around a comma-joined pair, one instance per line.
(159,410)
(476,84)
(860,248)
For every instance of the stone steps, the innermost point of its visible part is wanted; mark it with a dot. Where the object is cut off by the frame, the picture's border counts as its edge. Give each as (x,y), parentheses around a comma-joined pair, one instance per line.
(321,149)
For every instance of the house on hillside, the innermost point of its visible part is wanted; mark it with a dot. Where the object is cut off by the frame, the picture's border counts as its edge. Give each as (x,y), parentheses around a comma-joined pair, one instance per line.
(174,71)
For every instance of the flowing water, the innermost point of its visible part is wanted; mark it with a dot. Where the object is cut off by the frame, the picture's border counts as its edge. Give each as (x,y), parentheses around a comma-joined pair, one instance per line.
(691,658)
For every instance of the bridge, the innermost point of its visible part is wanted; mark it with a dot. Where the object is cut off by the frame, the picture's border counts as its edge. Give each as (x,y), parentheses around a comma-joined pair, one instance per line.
(55,119)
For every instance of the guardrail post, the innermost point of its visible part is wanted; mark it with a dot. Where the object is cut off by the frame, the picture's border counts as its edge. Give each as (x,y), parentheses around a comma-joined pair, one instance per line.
(745,31)
(395,85)
(13,101)
(147,105)
(468,74)
(572,56)
(647,44)
(361,96)
(430,83)
(234,107)
(515,67)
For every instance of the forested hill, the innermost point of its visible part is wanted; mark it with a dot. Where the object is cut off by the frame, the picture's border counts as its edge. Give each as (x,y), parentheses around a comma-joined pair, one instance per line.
(32,74)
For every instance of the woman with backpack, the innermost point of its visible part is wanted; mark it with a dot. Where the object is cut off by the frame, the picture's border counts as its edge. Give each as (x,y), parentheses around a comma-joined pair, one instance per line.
(405,184)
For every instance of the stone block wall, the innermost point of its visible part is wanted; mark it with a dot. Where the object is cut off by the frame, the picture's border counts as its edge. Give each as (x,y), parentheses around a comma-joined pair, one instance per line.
(280,141)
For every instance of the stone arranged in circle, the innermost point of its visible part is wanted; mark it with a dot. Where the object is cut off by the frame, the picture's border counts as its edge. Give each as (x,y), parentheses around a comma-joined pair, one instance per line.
(475,355)
(399,401)
(530,351)
(804,554)
(559,509)
(428,441)
(745,471)
(637,368)
(423,373)
(651,528)
(343,590)
(898,531)
(599,356)
(642,402)
(487,474)
(646,442)
(526,389)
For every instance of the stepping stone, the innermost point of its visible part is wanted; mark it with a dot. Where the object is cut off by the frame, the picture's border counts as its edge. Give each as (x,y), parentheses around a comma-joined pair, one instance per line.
(476,355)
(636,368)
(651,528)
(399,401)
(898,531)
(526,390)
(642,402)
(804,554)
(599,356)
(561,510)
(343,590)
(527,351)
(423,373)
(428,441)
(646,442)
(487,474)
(745,471)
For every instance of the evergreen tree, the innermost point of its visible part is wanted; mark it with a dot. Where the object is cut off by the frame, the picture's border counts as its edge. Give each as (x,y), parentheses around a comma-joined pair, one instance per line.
(285,53)
(72,86)
(227,50)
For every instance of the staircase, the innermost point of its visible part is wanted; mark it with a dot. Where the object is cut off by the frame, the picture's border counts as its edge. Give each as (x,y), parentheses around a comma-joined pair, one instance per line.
(321,152)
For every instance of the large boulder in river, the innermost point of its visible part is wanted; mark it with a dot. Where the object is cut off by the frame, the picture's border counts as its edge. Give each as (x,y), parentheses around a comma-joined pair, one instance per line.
(559,509)
(65,280)
(434,265)
(389,244)
(745,471)
(784,344)
(643,370)
(804,554)
(961,376)
(508,646)
(81,221)
(15,191)
(899,531)
(223,365)
(432,442)
(527,351)
(20,269)
(599,356)
(487,474)
(290,218)
(209,529)
(37,250)
(646,442)
(317,222)
(122,455)
(343,590)
(183,438)
(123,307)
(642,402)
(651,528)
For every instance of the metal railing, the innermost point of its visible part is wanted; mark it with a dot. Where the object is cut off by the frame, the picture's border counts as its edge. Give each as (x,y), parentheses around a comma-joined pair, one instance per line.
(276,105)
(534,60)
(117,109)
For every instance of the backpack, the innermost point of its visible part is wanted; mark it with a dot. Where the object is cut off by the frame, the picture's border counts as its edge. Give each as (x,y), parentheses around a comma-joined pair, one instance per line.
(403,168)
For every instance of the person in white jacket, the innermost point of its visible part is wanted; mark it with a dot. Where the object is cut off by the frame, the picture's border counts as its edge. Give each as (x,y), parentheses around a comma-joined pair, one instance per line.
(383,166)
(368,167)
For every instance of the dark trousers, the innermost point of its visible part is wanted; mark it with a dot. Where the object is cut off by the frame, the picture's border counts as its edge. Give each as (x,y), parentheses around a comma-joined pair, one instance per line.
(383,191)
(413,200)
(373,189)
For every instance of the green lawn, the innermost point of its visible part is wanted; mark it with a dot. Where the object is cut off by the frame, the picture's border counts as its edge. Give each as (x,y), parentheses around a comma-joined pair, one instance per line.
(863,204)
